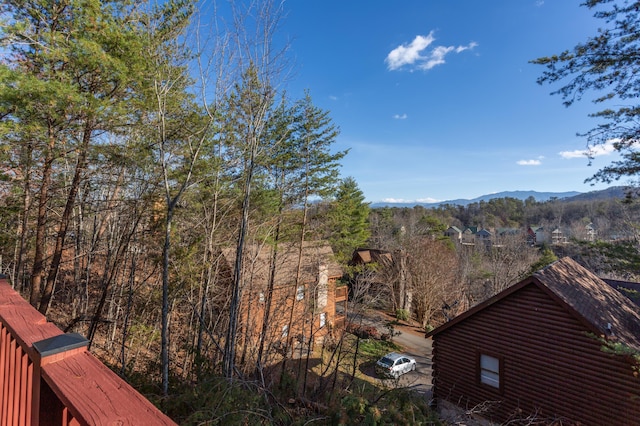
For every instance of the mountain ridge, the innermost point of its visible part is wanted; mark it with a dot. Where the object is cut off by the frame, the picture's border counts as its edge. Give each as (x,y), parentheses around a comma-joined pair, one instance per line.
(612,192)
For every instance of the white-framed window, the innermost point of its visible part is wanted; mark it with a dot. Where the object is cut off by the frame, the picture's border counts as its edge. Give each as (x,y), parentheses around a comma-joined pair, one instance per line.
(300,292)
(323,319)
(490,371)
(285,331)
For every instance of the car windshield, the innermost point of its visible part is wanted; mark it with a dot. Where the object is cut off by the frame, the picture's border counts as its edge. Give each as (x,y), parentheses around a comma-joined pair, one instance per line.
(386,361)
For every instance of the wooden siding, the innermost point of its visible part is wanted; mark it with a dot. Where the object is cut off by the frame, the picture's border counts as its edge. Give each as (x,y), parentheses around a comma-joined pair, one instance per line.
(341,293)
(305,323)
(551,367)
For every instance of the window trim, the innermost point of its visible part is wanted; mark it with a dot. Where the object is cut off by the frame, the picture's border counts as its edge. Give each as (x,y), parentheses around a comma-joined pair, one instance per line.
(500,372)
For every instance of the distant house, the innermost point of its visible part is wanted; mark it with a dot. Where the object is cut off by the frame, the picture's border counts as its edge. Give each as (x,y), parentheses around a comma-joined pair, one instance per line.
(367,256)
(558,237)
(454,233)
(531,236)
(483,234)
(303,309)
(508,232)
(536,349)
(469,235)
(375,269)
(536,235)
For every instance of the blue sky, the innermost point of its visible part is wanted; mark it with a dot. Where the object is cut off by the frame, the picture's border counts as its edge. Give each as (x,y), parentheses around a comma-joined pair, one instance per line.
(437,100)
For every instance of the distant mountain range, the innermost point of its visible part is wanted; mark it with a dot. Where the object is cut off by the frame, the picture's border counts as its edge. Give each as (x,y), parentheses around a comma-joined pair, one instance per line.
(613,192)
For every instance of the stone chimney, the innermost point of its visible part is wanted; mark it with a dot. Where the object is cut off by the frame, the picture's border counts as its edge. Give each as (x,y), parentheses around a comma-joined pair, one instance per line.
(323,285)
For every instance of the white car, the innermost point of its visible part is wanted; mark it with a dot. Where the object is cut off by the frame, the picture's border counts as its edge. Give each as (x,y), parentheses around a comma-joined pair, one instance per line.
(395,365)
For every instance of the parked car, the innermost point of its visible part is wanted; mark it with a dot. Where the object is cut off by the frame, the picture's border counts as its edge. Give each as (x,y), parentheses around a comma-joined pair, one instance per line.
(394,365)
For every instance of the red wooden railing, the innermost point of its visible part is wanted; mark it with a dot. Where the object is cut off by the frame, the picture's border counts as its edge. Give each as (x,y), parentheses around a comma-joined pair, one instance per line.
(48,377)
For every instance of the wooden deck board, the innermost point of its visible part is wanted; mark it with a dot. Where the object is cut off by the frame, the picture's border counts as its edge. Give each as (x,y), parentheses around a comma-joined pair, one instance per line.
(96,395)
(84,389)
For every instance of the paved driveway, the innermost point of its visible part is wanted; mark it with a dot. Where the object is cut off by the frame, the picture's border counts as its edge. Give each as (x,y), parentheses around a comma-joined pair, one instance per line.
(414,344)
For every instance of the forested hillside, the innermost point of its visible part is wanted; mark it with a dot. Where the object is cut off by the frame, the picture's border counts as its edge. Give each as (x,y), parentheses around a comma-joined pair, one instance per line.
(156,176)
(141,157)
(445,270)
(612,216)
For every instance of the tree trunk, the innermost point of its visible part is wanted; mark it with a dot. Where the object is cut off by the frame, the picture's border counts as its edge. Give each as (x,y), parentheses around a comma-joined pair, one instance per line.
(228,360)
(164,334)
(269,294)
(65,219)
(18,277)
(41,226)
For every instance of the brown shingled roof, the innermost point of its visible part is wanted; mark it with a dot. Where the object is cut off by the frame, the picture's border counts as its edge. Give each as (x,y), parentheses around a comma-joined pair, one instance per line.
(258,258)
(587,297)
(604,307)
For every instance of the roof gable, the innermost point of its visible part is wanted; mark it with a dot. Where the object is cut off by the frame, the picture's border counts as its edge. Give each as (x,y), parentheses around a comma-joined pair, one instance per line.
(580,292)
(365,255)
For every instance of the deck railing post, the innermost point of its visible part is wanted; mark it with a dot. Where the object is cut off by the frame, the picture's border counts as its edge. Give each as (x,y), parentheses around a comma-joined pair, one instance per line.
(48,377)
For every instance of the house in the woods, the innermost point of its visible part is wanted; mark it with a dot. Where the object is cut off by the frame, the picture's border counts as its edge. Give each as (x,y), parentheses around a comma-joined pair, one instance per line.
(484,237)
(454,233)
(374,272)
(536,235)
(531,235)
(369,256)
(558,236)
(295,290)
(469,235)
(541,350)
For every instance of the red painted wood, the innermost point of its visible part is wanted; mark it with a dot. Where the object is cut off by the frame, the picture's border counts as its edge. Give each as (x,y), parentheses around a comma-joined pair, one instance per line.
(17,385)
(95,395)
(10,383)
(71,388)
(24,409)
(28,410)
(4,341)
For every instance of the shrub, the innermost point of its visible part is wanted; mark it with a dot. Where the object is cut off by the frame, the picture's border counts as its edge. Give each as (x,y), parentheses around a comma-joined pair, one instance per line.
(402,314)
(363,331)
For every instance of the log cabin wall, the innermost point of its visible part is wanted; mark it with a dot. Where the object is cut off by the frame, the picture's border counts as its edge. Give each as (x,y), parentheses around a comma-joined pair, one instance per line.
(550,366)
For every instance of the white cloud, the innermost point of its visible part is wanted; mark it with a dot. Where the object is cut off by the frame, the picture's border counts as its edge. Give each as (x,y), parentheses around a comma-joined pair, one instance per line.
(436,58)
(594,151)
(529,162)
(412,54)
(408,54)
(333,98)
(395,200)
(400,116)
(402,200)
(427,200)
(469,46)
